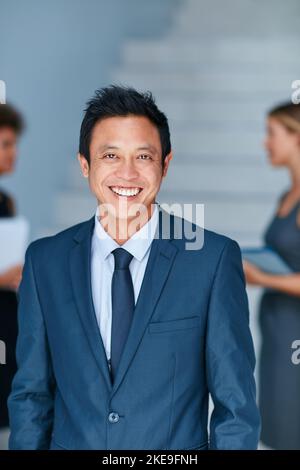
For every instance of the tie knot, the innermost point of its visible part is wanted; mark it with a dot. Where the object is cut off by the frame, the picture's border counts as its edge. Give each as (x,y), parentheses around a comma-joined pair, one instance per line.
(122,258)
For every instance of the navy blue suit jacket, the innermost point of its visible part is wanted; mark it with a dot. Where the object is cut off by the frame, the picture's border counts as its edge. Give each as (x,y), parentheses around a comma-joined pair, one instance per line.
(189,338)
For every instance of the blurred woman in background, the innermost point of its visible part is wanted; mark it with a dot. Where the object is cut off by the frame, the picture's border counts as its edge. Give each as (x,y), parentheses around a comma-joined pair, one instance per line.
(279,311)
(11,125)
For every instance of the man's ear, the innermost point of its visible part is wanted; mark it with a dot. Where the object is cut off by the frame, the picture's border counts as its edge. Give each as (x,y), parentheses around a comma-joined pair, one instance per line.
(166,163)
(83,164)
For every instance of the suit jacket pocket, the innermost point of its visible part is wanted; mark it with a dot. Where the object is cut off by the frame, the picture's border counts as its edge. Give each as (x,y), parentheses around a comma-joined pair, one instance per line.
(174,325)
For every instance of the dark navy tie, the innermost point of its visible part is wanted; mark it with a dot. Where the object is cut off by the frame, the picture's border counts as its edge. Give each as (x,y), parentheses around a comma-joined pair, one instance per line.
(122,296)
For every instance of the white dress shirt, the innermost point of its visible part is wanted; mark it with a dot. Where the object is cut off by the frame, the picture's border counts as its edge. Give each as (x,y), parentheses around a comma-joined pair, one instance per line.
(102,268)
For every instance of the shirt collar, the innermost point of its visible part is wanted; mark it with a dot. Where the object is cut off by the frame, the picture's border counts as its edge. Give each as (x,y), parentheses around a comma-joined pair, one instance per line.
(137,245)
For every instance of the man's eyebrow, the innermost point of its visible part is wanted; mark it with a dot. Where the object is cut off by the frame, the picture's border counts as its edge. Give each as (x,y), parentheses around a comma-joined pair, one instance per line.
(148,147)
(114,147)
(107,147)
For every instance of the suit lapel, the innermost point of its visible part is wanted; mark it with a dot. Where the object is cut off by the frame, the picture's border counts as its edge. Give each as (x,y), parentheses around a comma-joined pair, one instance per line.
(161,257)
(80,272)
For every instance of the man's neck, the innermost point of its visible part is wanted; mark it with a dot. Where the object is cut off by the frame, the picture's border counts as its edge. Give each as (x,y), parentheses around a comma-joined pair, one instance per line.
(121,229)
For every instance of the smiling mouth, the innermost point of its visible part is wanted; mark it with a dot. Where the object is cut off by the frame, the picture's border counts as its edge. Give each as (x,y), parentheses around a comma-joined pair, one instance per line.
(127,192)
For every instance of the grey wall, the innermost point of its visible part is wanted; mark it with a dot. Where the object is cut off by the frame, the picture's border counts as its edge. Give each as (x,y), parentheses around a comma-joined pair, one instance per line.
(53,55)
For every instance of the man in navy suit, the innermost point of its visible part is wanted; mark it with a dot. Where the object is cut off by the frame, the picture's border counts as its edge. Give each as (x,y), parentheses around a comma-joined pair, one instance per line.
(125,329)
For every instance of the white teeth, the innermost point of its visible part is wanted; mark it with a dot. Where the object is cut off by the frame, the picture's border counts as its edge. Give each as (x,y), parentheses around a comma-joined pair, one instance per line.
(125,192)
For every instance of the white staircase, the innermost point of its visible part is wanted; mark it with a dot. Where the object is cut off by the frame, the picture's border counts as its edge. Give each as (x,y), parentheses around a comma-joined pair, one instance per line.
(215,74)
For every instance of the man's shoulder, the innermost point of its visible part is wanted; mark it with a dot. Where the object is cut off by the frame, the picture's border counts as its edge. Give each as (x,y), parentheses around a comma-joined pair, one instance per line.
(208,240)
(59,240)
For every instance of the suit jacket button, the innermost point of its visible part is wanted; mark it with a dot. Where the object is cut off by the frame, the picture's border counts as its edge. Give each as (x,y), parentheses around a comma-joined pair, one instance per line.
(113,417)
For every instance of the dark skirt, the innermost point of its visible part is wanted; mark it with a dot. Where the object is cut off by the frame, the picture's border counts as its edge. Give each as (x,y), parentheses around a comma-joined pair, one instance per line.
(8,334)
(279,378)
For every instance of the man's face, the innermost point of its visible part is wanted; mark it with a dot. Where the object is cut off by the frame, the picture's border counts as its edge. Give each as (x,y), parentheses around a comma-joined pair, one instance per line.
(8,149)
(125,163)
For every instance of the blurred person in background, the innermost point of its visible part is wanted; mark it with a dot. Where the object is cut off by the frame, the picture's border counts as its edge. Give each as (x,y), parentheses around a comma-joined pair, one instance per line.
(11,125)
(279,310)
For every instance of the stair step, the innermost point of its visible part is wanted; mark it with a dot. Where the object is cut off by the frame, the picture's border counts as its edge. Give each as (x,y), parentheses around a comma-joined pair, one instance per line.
(239,50)
(222,212)
(186,83)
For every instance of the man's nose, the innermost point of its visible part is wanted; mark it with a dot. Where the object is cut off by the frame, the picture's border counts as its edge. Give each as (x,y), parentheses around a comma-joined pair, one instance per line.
(127,170)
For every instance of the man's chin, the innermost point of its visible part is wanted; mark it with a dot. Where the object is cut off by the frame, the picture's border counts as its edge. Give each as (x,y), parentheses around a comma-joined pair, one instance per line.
(124,210)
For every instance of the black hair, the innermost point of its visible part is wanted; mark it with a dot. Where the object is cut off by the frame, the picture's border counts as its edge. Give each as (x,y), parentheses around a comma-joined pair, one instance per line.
(10,117)
(117,100)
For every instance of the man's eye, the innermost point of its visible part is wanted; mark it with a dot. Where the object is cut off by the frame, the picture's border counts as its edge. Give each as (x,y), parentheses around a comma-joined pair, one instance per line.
(110,156)
(145,157)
